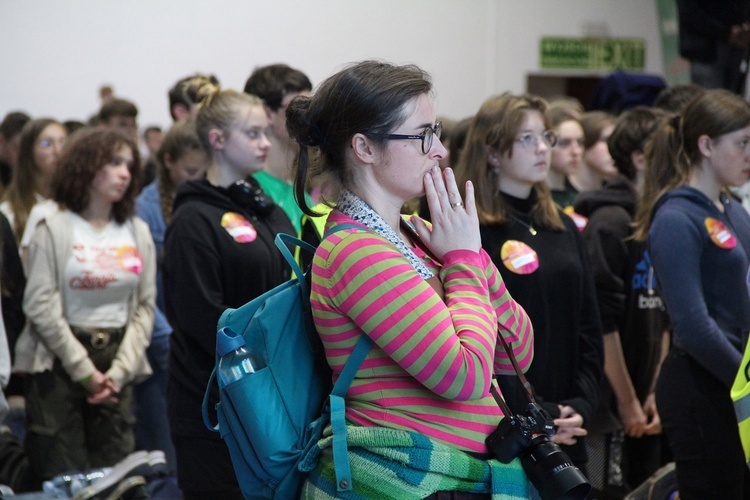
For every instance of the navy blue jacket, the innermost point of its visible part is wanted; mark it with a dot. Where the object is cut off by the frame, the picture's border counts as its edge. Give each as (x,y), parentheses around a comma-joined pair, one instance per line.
(702,284)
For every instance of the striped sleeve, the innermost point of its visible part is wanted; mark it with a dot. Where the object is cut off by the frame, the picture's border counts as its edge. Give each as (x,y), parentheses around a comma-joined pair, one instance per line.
(449,347)
(513,322)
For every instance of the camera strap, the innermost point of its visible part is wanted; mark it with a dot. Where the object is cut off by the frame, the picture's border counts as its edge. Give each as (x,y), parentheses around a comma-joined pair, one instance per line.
(526,384)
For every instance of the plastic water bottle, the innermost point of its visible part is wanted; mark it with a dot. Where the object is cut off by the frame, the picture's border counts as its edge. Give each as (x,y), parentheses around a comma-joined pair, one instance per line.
(237,361)
(68,484)
(65,485)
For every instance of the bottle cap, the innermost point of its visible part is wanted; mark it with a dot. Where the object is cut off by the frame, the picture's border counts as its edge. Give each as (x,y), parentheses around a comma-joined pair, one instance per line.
(227,340)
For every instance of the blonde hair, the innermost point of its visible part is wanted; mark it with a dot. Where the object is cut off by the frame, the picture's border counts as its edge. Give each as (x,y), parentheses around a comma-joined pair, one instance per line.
(219,109)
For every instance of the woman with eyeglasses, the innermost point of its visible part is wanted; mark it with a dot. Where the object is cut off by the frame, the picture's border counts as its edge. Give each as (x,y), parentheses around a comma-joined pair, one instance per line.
(542,259)
(699,241)
(42,142)
(427,296)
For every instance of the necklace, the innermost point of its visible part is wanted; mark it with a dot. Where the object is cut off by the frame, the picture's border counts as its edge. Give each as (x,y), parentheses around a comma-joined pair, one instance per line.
(530,227)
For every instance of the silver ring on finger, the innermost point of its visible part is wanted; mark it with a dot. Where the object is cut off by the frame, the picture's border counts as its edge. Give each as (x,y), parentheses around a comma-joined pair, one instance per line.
(457,204)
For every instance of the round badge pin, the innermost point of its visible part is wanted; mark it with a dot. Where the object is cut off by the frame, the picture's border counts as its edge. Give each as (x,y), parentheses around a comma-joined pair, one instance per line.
(519,257)
(720,233)
(238,227)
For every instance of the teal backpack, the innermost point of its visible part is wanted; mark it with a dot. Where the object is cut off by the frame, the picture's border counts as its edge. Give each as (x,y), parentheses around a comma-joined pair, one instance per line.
(271,418)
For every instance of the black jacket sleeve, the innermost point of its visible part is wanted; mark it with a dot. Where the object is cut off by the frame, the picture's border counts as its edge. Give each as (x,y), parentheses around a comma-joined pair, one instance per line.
(13,282)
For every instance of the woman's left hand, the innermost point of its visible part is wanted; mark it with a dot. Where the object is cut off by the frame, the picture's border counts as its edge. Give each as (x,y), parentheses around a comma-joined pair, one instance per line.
(653,426)
(455,225)
(569,426)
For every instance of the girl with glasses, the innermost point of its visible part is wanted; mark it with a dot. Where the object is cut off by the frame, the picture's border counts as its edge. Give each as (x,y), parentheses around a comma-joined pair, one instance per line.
(42,142)
(430,302)
(542,259)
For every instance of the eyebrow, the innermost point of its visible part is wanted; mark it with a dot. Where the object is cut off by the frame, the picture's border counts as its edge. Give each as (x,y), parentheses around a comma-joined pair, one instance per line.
(425,125)
(524,130)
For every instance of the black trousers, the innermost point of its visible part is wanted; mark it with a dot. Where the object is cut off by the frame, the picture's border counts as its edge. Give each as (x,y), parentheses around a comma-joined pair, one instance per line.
(699,421)
(204,468)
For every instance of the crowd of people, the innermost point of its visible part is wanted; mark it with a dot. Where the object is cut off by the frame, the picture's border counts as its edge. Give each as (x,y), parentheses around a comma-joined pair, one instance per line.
(609,251)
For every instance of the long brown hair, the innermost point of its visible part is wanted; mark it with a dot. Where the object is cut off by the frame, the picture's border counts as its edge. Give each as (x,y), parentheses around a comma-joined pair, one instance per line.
(21,194)
(673,150)
(494,129)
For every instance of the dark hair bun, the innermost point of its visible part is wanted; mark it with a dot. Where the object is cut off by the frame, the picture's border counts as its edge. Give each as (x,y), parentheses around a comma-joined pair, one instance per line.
(298,122)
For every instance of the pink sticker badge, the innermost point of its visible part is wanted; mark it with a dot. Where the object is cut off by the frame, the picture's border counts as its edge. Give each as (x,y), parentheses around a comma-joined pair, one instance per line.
(238,227)
(130,259)
(518,257)
(720,234)
(579,219)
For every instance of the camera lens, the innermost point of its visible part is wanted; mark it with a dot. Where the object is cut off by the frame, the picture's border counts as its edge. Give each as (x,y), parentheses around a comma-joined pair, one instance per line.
(552,472)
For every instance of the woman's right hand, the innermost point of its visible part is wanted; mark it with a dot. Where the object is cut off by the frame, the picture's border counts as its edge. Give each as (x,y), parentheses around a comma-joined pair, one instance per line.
(101,389)
(455,225)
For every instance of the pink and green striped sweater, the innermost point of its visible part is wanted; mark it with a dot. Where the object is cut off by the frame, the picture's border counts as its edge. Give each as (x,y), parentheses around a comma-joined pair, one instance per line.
(431,367)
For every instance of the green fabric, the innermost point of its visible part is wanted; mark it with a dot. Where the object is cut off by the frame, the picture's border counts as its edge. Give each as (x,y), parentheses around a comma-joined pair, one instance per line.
(282,193)
(389,463)
(740,393)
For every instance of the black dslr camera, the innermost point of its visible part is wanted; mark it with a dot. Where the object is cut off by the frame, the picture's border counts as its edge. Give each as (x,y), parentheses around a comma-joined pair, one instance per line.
(548,467)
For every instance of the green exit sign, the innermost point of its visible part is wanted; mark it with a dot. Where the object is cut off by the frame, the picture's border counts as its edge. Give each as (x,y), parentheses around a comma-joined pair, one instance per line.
(593,54)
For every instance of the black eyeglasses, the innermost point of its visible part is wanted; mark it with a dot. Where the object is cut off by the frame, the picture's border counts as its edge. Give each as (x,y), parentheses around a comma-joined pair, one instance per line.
(426,137)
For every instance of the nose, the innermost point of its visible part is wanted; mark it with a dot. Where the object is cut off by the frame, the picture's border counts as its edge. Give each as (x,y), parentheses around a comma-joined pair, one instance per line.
(265,143)
(437,151)
(57,146)
(124,171)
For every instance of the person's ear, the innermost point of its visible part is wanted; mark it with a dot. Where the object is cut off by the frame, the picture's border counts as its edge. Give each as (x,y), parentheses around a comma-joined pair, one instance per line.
(364,149)
(180,112)
(638,159)
(270,114)
(705,145)
(168,161)
(216,138)
(493,158)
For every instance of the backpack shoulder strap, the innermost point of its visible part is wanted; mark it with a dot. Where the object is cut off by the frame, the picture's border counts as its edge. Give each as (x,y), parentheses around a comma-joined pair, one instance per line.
(338,421)
(342,226)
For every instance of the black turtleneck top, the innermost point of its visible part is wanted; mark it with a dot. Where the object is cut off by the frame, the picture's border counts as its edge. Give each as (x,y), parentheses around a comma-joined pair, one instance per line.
(560,298)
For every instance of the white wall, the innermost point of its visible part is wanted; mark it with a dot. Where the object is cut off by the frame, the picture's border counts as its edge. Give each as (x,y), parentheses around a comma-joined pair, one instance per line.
(55,54)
